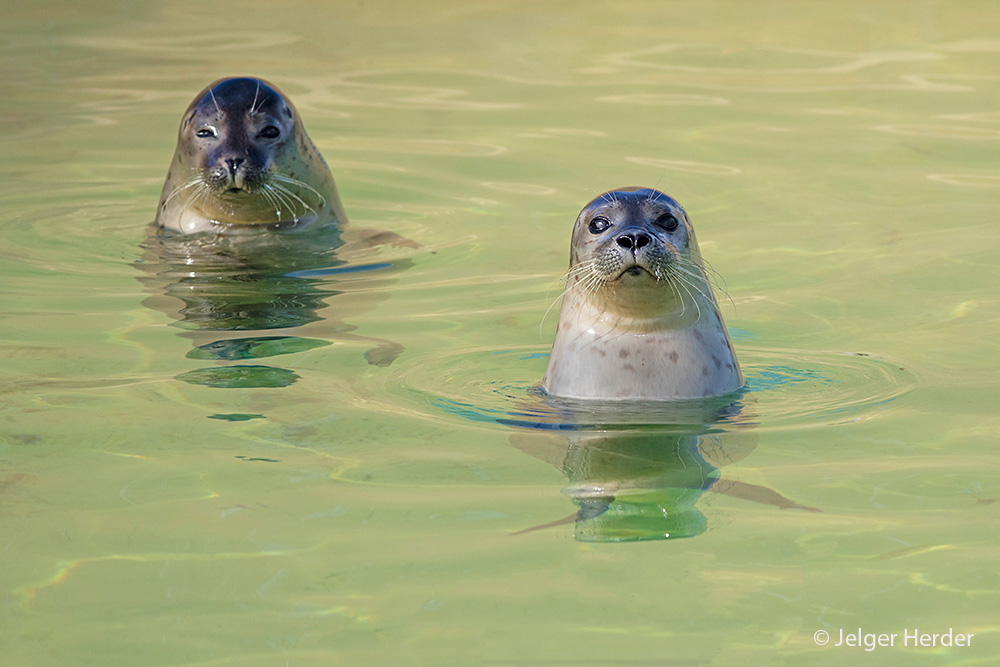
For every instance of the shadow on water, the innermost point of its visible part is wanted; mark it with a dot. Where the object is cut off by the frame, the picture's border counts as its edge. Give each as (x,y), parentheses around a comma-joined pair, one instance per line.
(637,470)
(257,295)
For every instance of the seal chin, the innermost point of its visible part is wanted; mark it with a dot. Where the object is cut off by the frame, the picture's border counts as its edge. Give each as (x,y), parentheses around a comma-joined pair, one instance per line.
(634,272)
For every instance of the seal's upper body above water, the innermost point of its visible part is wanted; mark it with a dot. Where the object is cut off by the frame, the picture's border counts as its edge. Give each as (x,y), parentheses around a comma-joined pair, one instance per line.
(638,319)
(244,161)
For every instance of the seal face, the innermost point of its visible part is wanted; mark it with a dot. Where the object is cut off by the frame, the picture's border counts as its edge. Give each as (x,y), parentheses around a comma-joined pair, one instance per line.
(244,160)
(639,320)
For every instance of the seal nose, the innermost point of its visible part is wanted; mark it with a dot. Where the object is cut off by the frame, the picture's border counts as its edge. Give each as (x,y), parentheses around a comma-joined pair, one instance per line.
(633,240)
(234,164)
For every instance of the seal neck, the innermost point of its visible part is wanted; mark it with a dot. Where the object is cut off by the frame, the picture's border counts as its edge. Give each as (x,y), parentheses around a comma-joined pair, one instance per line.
(643,308)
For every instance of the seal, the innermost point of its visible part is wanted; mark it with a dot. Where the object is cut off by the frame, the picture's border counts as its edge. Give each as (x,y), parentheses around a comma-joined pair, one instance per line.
(639,320)
(244,161)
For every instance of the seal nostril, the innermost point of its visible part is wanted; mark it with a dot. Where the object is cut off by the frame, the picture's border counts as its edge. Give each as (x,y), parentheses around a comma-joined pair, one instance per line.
(633,241)
(626,241)
(234,164)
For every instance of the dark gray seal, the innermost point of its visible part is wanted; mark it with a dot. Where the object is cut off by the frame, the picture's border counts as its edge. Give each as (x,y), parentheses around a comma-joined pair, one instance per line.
(244,160)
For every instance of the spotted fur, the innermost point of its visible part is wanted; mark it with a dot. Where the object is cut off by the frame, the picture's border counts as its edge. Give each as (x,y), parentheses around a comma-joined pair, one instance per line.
(639,319)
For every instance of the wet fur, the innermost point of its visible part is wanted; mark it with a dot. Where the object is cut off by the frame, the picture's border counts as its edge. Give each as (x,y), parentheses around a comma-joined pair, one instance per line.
(235,175)
(639,321)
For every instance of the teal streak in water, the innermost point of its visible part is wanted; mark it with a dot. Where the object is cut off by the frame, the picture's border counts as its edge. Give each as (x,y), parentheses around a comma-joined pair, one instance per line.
(254,348)
(779,376)
(236,417)
(240,377)
(337,270)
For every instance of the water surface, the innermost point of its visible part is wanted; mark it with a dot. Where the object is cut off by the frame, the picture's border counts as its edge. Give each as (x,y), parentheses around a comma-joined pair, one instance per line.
(208,467)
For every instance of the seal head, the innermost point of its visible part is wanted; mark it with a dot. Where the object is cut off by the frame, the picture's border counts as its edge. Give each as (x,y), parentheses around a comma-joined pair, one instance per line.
(244,159)
(639,320)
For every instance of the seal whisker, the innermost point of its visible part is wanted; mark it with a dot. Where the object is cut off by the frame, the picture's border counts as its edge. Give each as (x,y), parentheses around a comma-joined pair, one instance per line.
(585,274)
(696,277)
(278,198)
(196,195)
(653,191)
(211,91)
(591,282)
(201,196)
(684,280)
(715,277)
(583,268)
(552,304)
(582,265)
(283,196)
(194,181)
(676,292)
(268,193)
(288,193)
(284,178)
(679,285)
(256,93)
(673,279)
(273,200)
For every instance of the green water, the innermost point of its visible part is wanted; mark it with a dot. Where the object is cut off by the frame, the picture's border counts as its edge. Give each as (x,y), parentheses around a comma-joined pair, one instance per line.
(838,160)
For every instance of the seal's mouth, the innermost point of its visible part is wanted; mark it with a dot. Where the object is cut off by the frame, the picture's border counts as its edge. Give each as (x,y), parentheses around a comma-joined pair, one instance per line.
(239,190)
(241,183)
(635,271)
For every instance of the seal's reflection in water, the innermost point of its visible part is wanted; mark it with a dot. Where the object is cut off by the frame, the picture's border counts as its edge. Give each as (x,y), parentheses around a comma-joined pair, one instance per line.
(226,291)
(636,470)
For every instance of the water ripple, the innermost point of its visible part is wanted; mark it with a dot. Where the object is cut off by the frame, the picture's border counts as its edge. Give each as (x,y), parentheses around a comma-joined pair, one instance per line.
(711,58)
(805,388)
(967,180)
(789,388)
(686,166)
(446,147)
(519,188)
(192,45)
(940,131)
(666,99)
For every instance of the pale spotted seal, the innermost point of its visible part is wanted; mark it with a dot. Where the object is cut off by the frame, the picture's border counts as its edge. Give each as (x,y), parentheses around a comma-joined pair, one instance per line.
(639,320)
(244,161)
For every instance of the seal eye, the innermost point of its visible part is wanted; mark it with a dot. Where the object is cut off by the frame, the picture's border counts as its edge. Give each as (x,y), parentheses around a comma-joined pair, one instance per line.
(598,224)
(206,132)
(270,132)
(668,222)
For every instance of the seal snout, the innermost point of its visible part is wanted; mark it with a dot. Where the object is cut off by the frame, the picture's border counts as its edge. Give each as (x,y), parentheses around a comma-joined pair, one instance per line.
(635,252)
(236,174)
(633,240)
(234,164)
